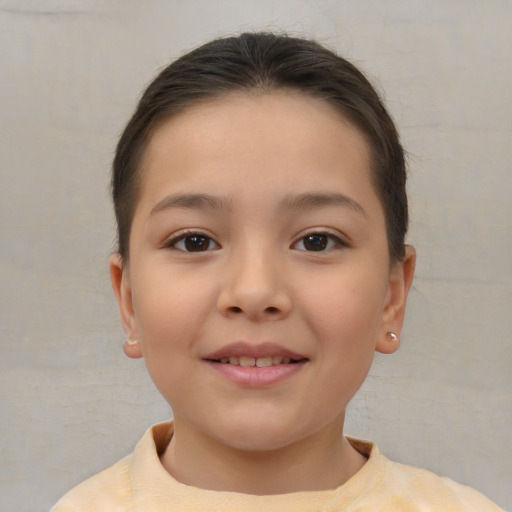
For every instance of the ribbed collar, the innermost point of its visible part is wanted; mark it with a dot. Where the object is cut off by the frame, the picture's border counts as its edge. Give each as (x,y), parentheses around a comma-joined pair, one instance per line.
(154,489)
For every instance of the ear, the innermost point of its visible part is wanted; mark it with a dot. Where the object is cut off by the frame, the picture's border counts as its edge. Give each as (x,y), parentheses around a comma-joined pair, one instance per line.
(120,278)
(400,280)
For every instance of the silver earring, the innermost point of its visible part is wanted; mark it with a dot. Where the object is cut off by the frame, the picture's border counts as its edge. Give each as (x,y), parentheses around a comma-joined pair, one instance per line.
(131,342)
(392,336)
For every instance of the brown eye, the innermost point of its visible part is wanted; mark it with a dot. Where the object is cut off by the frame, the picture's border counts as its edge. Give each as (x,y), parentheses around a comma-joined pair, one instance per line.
(194,243)
(318,242)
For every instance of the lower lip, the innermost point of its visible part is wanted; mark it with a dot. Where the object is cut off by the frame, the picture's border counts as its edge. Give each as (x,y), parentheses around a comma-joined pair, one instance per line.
(254,377)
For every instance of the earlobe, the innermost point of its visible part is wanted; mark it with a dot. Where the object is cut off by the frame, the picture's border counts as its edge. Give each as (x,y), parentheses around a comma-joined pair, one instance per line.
(389,344)
(120,279)
(400,280)
(132,348)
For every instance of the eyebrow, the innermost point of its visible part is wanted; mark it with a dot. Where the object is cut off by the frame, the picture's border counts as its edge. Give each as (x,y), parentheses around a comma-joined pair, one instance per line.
(319,199)
(201,201)
(307,200)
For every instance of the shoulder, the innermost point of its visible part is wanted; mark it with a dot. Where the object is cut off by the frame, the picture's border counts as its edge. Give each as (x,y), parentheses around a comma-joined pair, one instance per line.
(410,488)
(109,490)
(440,492)
(120,486)
(386,485)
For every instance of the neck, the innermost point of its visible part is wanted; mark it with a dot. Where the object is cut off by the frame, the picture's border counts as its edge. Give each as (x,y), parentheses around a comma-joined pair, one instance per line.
(324,460)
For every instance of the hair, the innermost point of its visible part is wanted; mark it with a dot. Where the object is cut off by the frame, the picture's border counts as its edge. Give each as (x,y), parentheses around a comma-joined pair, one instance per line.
(265,62)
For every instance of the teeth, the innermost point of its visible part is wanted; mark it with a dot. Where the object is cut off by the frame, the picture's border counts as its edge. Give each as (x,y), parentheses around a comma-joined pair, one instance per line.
(247,361)
(259,362)
(263,361)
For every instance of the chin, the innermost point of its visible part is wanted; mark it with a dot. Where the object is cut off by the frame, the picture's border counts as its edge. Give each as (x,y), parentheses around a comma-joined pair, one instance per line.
(267,443)
(260,436)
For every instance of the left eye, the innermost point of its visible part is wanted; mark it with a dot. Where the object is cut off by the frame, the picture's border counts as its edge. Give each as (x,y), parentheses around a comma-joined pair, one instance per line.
(194,243)
(317,242)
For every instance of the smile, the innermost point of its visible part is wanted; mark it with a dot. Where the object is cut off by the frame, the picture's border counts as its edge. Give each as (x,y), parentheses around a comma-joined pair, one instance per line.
(255,365)
(259,355)
(259,362)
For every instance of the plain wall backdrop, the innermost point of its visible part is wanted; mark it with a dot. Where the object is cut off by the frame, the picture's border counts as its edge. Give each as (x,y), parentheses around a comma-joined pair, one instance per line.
(71,72)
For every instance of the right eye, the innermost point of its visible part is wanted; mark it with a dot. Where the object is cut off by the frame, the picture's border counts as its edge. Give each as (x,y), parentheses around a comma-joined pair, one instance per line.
(193,242)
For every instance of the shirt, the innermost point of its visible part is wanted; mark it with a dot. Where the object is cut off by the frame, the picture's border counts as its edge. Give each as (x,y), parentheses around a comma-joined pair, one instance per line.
(139,483)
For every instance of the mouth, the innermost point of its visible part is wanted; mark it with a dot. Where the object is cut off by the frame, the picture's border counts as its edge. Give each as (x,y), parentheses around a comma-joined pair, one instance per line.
(259,355)
(254,366)
(258,362)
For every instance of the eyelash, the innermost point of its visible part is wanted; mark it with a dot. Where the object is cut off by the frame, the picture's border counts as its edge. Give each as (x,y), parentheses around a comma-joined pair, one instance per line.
(334,241)
(173,242)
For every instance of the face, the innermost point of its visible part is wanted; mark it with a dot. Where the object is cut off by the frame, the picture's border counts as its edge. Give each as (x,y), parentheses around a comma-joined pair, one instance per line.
(259,283)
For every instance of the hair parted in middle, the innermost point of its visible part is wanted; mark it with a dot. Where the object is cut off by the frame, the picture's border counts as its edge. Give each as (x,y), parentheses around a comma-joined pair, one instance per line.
(264,63)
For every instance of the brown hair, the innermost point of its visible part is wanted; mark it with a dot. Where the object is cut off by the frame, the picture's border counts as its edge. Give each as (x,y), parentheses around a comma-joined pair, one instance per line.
(265,62)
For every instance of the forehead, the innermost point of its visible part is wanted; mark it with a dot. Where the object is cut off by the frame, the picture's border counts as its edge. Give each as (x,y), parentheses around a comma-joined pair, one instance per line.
(283,137)
(283,106)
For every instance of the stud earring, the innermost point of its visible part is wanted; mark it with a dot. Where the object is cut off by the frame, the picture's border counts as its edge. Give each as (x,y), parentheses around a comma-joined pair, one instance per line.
(392,336)
(131,342)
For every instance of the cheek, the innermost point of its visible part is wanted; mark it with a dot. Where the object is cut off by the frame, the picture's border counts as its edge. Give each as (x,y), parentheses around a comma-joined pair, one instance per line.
(344,315)
(169,311)
(347,306)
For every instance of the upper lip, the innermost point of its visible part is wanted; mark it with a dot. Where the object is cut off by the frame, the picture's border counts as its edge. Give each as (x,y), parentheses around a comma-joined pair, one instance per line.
(241,349)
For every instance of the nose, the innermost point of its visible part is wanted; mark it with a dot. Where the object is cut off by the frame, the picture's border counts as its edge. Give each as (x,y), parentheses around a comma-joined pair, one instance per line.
(255,287)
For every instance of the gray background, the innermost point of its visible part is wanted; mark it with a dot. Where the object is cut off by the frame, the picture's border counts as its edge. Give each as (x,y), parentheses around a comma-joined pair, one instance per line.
(71,72)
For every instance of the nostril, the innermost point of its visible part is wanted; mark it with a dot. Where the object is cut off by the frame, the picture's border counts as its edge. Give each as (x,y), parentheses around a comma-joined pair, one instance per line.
(235,309)
(271,309)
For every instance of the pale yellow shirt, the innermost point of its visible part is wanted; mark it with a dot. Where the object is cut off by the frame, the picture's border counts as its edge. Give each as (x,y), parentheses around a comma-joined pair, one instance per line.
(139,483)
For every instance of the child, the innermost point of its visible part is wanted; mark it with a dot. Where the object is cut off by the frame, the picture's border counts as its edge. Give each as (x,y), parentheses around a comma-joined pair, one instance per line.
(259,192)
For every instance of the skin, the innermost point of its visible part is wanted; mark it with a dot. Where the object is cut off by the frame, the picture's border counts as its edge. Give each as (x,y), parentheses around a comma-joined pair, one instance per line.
(258,281)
